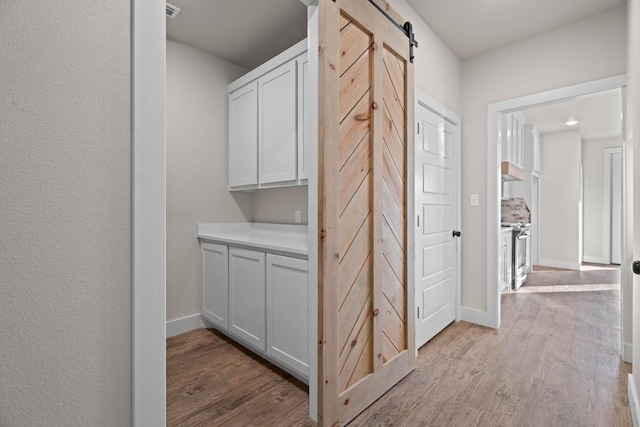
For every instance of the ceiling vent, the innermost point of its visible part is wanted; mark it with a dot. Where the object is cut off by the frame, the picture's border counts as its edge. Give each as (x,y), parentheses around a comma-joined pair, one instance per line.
(172,11)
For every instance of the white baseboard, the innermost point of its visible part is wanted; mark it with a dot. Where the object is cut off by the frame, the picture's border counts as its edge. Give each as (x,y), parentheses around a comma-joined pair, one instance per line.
(627,352)
(476,316)
(569,265)
(634,405)
(595,259)
(184,324)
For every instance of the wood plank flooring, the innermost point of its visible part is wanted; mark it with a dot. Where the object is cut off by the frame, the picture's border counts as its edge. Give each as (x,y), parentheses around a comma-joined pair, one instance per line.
(554,362)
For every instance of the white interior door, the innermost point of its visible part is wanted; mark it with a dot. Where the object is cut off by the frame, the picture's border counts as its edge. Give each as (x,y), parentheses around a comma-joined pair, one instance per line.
(436,187)
(616,207)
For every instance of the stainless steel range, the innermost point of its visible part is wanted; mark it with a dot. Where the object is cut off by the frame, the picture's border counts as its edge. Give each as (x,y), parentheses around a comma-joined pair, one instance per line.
(521,258)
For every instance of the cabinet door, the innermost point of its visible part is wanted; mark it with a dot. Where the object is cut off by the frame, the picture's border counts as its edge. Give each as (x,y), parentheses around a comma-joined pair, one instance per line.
(501,265)
(518,139)
(215,283)
(277,116)
(508,263)
(287,312)
(243,136)
(305,99)
(247,296)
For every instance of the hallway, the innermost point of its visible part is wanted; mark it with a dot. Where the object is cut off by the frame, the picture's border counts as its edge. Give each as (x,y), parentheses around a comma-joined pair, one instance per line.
(554,361)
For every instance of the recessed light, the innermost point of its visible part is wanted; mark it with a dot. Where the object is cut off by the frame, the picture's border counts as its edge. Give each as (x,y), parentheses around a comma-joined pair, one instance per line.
(572,122)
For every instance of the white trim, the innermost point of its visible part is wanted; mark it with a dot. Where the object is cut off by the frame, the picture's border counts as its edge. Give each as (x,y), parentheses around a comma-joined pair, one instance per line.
(494,112)
(626,276)
(148,299)
(568,265)
(607,203)
(634,404)
(423,99)
(311,139)
(184,324)
(627,352)
(478,317)
(595,259)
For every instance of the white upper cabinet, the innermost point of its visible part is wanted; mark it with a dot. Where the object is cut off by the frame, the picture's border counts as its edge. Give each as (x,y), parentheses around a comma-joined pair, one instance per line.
(266,123)
(537,153)
(243,136)
(277,118)
(513,139)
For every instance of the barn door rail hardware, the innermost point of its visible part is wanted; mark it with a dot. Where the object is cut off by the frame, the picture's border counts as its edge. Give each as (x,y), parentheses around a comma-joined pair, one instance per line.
(407,28)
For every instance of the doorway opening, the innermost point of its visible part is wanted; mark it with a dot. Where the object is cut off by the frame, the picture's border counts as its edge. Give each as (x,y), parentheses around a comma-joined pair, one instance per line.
(496,192)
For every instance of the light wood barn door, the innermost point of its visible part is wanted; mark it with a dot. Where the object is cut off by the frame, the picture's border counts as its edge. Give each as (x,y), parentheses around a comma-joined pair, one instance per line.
(366,330)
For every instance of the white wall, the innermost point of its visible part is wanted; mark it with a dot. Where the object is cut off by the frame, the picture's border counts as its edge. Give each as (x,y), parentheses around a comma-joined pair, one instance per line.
(438,71)
(587,50)
(633,148)
(277,205)
(593,164)
(197,165)
(65,228)
(560,199)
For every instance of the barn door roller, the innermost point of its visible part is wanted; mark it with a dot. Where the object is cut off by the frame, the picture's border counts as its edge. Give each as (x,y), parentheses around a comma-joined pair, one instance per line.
(407,28)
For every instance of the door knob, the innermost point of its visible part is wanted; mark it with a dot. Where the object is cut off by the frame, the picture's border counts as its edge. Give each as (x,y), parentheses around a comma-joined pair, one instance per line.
(456,233)
(636,267)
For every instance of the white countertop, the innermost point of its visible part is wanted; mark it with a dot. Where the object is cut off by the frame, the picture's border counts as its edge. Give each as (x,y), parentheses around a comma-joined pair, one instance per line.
(290,239)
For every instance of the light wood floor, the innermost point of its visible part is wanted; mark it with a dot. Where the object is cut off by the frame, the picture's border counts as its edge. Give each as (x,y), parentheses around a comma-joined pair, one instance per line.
(554,362)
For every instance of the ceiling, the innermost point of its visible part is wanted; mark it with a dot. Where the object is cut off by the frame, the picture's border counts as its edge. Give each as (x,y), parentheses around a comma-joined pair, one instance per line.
(245,32)
(599,115)
(470,27)
(249,32)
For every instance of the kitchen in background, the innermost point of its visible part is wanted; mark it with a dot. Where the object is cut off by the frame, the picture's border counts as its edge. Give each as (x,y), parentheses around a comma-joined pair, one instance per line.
(574,201)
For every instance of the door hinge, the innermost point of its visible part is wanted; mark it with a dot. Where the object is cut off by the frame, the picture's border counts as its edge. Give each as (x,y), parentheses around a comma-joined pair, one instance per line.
(418,128)
(418,220)
(418,312)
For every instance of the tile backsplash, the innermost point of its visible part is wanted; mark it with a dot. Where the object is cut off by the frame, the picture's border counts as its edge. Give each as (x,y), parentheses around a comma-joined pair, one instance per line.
(515,210)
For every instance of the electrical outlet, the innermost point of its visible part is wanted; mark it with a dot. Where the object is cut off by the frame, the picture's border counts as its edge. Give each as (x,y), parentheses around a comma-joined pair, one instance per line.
(474,200)
(297,215)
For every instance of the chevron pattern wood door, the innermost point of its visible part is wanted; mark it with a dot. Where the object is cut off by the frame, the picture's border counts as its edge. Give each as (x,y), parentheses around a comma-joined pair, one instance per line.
(367,339)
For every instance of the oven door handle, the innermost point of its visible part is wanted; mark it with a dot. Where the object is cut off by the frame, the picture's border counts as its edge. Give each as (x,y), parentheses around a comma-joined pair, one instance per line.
(521,237)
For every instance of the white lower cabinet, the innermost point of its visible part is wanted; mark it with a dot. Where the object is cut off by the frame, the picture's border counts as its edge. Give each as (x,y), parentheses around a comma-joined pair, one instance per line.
(259,299)
(504,260)
(247,296)
(287,311)
(215,290)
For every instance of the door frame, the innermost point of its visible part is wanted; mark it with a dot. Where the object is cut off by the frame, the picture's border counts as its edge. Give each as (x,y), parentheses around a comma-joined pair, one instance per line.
(148,216)
(607,242)
(424,100)
(491,317)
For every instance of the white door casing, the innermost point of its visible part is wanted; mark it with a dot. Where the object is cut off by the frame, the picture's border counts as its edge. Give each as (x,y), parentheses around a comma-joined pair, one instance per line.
(491,317)
(615,206)
(437,210)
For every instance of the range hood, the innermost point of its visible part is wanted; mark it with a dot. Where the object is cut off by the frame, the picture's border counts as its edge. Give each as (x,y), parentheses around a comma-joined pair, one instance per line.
(511,172)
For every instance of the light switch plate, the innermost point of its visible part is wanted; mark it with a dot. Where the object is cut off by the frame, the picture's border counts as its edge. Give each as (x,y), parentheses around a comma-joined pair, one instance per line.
(474,200)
